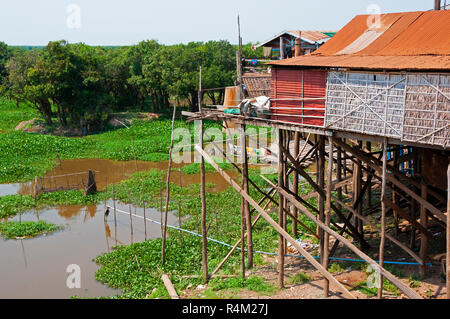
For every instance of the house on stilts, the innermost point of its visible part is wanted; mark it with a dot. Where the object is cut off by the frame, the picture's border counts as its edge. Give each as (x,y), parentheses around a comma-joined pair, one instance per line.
(374,103)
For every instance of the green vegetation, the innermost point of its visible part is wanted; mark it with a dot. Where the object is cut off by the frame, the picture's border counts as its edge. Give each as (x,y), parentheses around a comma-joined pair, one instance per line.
(336,268)
(299,279)
(15,229)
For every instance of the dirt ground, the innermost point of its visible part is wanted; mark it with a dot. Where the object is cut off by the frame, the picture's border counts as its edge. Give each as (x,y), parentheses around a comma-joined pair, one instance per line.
(432,287)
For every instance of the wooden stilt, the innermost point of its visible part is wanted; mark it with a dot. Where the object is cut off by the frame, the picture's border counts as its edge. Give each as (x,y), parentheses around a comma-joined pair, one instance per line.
(295,184)
(326,283)
(383,217)
(448,235)
(423,236)
(322,197)
(248,220)
(281,177)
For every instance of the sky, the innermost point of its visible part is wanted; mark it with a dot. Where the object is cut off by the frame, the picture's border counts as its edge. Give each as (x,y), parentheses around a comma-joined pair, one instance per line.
(126,22)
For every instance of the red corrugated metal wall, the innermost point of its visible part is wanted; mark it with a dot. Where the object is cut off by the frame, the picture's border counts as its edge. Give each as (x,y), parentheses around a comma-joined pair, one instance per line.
(289,84)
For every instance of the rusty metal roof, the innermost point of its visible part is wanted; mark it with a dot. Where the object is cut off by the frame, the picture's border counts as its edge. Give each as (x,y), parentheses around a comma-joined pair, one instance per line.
(400,41)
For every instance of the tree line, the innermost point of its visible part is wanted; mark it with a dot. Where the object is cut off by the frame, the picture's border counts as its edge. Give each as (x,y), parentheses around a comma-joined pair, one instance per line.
(77,83)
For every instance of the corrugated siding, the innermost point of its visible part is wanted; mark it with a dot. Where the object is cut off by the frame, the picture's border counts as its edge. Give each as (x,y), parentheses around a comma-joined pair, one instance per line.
(296,84)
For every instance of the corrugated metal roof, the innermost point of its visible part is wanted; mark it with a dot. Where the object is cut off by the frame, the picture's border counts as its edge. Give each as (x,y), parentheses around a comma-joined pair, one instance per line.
(410,40)
(306,35)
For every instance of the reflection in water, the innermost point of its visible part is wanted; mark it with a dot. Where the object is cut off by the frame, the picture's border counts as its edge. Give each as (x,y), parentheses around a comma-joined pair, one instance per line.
(39,271)
(23,253)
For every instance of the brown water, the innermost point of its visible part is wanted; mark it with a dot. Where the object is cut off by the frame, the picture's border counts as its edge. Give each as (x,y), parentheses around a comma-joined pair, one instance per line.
(36,267)
(112,172)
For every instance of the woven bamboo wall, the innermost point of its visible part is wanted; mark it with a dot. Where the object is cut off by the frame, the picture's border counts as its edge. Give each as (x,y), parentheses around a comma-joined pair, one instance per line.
(371,103)
(257,84)
(411,107)
(427,109)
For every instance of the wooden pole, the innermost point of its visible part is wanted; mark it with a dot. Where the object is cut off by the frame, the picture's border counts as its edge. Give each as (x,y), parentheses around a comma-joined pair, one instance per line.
(322,196)
(423,235)
(448,235)
(383,217)
(248,219)
(143,206)
(326,283)
(166,210)
(115,218)
(202,189)
(129,206)
(169,286)
(295,173)
(281,177)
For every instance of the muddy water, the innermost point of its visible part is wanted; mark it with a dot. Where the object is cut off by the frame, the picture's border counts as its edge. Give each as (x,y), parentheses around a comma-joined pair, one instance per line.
(112,172)
(36,268)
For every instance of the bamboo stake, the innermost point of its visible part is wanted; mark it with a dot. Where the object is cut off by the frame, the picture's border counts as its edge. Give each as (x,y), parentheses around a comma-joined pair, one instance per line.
(115,218)
(129,206)
(383,217)
(166,210)
(143,206)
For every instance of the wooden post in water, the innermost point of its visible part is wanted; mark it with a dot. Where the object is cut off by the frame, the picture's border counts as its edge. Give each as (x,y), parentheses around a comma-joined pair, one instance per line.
(91,187)
(143,206)
(383,216)
(115,218)
(166,210)
(129,206)
(202,189)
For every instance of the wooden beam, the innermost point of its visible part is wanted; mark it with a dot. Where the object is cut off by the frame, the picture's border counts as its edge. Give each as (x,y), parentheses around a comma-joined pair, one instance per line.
(277,227)
(374,164)
(423,237)
(406,216)
(247,216)
(170,288)
(398,283)
(375,227)
(353,230)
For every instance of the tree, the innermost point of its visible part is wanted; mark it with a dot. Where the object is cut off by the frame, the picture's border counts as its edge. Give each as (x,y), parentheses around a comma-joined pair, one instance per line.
(4,56)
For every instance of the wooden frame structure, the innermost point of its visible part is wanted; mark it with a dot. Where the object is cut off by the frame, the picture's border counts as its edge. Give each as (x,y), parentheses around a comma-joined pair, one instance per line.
(348,156)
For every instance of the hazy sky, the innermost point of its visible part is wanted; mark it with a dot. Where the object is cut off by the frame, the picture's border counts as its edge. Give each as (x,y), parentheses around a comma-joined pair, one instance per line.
(123,22)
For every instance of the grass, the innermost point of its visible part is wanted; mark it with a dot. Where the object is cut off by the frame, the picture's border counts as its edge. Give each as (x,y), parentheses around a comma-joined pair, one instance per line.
(11,115)
(14,229)
(299,279)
